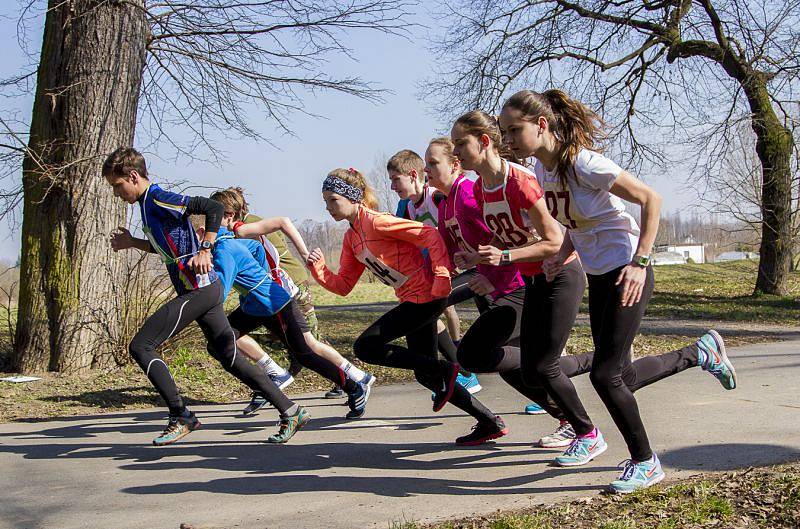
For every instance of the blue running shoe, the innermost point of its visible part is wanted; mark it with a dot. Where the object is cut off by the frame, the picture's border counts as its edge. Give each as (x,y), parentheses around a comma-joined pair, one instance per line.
(582,450)
(637,476)
(283,380)
(257,401)
(177,428)
(711,357)
(469,383)
(357,400)
(534,409)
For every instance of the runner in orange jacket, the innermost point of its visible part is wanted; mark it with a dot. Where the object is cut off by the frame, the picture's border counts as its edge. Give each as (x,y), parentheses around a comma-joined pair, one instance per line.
(390,248)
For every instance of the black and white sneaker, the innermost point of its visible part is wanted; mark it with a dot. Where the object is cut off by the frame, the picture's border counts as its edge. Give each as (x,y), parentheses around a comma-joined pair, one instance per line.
(335,393)
(483,432)
(357,400)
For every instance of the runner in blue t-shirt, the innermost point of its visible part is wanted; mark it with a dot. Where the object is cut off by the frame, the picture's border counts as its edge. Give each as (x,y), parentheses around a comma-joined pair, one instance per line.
(200,292)
(242,265)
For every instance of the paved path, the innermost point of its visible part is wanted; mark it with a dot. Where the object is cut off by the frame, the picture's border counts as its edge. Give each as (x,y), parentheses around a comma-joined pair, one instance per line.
(397,464)
(650,324)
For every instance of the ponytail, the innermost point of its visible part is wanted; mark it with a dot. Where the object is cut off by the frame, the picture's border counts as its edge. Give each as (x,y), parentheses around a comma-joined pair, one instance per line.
(370,198)
(573,124)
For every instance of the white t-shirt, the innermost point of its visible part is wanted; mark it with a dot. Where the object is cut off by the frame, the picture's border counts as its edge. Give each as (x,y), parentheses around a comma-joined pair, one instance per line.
(603,233)
(427,211)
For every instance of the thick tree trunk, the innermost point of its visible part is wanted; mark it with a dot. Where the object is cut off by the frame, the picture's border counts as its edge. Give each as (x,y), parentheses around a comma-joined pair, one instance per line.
(90,72)
(774,145)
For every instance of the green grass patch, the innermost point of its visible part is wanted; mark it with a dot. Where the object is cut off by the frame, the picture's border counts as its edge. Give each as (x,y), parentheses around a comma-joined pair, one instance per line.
(364,292)
(766,498)
(721,291)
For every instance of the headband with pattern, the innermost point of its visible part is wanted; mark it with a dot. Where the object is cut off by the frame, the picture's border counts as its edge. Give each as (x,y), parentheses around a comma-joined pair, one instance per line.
(340,187)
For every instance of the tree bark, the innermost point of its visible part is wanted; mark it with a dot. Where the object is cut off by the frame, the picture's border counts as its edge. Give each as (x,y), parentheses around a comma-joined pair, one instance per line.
(89,77)
(774,146)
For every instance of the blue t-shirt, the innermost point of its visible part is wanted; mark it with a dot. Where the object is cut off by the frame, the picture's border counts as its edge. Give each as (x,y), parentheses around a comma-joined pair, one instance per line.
(402,208)
(172,236)
(241,264)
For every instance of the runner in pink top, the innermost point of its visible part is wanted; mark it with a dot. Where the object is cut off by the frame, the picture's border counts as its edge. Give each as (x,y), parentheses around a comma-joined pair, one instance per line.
(390,248)
(463,230)
(491,345)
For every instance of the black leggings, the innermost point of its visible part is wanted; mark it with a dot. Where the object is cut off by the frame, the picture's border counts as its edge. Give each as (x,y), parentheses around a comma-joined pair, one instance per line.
(203,305)
(613,375)
(491,345)
(286,326)
(417,322)
(460,292)
(547,319)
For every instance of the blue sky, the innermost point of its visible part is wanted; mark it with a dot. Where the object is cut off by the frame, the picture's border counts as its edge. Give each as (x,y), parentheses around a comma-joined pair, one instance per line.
(285,179)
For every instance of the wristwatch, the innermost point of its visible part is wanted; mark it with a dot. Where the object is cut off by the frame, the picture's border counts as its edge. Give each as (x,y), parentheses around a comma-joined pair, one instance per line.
(206,245)
(642,261)
(505,257)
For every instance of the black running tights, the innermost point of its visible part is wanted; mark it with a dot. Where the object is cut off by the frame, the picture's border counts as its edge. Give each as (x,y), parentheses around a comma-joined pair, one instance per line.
(417,322)
(203,305)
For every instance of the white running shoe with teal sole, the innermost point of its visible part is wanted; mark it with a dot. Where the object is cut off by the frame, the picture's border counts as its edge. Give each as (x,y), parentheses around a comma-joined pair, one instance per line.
(711,357)
(637,476)
(582,450)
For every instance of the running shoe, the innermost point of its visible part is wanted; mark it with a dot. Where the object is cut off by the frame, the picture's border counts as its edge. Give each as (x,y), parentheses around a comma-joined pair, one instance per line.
(177,428)
(534,409)
(289,426)
(283,380)
(469,383)
(582,450)
(711,357)
(257,401)
(637,476)
(334,393)
(357,400)
(561,437)
(484,431)
(442,396)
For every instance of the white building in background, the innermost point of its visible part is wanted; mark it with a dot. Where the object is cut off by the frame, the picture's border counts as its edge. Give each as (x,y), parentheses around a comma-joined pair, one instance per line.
(735,256)
(668,258)
(695,252)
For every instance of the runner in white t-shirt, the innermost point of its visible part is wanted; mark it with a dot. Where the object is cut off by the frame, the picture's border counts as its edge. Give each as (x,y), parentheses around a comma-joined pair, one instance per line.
(583,190)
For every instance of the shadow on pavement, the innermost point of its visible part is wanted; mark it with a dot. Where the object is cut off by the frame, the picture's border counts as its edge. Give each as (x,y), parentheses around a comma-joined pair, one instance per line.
(728,456)
(273,469)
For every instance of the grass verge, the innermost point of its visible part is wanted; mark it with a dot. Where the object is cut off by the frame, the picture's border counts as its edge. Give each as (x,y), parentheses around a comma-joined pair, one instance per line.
(767,498)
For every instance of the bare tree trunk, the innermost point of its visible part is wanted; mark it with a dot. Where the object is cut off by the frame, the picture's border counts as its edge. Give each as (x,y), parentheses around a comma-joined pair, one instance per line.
(774,145)
(89,77)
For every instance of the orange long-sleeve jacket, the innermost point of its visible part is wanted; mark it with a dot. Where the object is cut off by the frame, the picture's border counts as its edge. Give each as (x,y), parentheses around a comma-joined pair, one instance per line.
(391,248)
